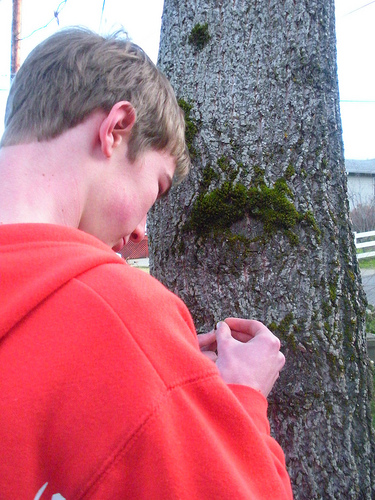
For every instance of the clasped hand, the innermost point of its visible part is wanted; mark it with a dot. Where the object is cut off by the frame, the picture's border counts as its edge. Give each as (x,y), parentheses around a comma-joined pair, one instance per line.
(248,353)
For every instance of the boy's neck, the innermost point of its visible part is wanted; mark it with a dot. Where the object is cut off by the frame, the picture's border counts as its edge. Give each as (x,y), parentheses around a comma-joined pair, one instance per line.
(38,184)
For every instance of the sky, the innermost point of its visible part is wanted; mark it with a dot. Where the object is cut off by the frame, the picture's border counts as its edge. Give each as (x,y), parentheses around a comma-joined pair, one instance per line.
(355,34)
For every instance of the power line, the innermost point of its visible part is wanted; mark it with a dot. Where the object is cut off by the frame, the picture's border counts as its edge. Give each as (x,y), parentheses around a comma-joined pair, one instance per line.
(101,17)
(55,16)
(359,8)
(355,100)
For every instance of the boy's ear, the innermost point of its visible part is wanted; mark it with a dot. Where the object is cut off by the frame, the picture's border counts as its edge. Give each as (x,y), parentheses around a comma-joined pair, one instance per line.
(116,126)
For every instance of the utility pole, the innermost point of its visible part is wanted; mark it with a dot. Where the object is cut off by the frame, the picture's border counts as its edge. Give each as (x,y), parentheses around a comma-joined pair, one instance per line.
(15,44)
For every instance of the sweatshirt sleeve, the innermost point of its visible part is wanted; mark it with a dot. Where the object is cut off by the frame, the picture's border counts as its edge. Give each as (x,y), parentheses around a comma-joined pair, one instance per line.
(194,437)
(255,404)
(200,442)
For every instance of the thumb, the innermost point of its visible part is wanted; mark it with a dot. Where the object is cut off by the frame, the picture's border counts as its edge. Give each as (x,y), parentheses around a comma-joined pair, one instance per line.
(223,332)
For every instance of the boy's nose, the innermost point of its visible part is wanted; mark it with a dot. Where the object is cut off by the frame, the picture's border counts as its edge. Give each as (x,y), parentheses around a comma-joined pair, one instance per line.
(139,232)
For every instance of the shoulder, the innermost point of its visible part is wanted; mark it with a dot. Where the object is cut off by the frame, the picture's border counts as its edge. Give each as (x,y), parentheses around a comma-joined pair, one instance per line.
(132,293)
(117,305)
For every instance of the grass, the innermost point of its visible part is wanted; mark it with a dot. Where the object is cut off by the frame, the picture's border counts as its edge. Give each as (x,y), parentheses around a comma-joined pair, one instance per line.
(370,328)
(368,263)
(145,269)
(370,319)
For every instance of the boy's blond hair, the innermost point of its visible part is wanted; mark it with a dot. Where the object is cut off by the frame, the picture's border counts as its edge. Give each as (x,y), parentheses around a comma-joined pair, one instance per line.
(75,72)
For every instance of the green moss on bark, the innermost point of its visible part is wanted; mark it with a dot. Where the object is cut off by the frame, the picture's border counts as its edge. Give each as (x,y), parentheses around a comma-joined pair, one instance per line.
(286,331)
(219,209)
(214,211)
(199,36)
(191,127)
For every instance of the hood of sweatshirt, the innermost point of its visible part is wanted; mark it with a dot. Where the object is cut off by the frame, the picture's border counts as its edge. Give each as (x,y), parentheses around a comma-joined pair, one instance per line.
(37,259)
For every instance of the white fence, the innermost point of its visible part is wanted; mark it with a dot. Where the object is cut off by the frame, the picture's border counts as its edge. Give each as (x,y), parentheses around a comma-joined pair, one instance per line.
(368,244)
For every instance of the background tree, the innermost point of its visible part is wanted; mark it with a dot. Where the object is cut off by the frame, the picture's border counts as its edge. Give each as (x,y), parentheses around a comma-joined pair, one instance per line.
(261,227)
(363,217)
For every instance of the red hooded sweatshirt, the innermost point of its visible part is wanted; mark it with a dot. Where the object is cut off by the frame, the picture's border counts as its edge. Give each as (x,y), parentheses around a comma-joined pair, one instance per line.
(104,393)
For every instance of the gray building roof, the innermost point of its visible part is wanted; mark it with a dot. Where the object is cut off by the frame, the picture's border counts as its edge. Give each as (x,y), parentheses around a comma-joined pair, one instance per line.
(360,167)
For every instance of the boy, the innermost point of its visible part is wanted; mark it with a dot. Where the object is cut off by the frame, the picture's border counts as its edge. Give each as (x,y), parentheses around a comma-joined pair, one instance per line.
(104,393)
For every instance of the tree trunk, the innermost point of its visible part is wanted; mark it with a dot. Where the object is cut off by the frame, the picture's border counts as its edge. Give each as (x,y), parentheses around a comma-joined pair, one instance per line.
(260,229)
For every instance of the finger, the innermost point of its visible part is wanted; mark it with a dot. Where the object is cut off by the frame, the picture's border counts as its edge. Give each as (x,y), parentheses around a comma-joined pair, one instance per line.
(211,355)
(223,333)
(249,327)
(281,360)
(206,339)
(241,337)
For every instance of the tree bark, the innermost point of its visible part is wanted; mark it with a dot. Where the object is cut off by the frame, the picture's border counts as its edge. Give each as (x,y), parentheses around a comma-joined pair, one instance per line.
(261,228)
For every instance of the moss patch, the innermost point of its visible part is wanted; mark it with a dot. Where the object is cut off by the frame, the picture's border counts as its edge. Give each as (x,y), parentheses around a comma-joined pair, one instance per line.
(286,331)
(308,217)
(191,127)
(216,210)
(219,209)
(199,36)
(290,171)
(273,206)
